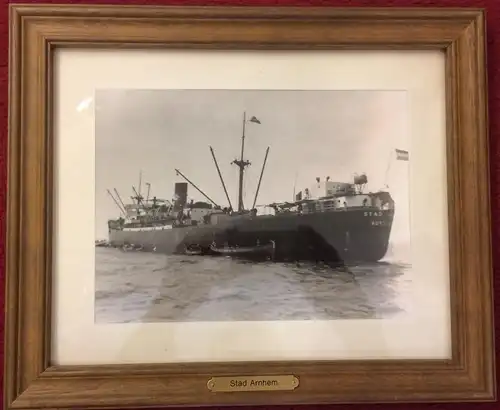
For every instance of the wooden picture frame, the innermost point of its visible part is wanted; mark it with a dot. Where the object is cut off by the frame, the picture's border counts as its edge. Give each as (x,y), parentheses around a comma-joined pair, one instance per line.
(32,381)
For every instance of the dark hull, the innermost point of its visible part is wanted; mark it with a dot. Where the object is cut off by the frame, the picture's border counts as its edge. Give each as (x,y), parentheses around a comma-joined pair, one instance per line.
(360,235)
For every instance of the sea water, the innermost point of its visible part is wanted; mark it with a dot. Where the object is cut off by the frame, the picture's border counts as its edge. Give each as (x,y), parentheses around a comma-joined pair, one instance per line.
(134,286)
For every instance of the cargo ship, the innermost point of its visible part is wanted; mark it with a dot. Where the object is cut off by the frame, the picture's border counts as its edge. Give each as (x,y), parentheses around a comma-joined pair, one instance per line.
(329,221)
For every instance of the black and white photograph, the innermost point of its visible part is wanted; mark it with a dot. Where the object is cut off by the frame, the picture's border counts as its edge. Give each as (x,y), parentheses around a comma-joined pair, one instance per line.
(251,205)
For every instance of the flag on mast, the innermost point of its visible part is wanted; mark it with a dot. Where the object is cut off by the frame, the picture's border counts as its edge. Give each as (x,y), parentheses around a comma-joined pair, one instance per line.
(402,155)
(254,119)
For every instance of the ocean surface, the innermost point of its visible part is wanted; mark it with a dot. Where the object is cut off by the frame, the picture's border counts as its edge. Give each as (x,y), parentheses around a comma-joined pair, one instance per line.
(134,286)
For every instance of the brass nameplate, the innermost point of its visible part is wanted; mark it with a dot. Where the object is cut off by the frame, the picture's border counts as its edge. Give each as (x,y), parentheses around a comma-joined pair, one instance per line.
(252,383)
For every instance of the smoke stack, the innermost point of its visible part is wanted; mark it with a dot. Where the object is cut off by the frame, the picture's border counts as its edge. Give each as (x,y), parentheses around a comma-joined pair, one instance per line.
(180,190)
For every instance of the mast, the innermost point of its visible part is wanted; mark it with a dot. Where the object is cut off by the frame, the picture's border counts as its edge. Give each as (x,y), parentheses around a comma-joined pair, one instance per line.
(140,182)
(149,188)
(220,176)
(116,203)
(119,198)
(139,200)
(387,169)
(260,178)
(195,187)
(242,163)
(295,185)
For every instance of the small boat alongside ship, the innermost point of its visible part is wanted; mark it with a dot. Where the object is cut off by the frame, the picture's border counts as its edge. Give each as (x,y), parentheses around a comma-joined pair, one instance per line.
(193,250)
(101,243)
(249,252)
(330,221)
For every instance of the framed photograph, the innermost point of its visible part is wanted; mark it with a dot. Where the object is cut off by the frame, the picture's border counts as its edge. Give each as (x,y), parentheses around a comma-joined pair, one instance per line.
(243,206)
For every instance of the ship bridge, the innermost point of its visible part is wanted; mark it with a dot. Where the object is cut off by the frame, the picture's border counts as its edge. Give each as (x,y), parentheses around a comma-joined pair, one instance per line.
(326,195)
(326,188)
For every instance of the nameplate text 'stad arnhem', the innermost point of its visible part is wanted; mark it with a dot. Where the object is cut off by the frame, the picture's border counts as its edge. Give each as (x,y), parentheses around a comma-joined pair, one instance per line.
(252,383)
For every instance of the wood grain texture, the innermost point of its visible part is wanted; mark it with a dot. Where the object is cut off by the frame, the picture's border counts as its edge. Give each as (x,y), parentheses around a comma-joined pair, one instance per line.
(31,381)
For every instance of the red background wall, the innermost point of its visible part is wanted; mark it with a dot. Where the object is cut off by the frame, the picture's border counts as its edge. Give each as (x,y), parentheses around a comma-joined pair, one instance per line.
(493,33)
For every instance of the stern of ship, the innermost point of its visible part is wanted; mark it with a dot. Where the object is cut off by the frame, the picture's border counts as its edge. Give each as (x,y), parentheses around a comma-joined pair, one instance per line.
(367,237)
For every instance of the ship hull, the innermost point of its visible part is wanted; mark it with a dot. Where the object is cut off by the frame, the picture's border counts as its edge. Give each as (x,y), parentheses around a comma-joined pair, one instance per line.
(166,241)
(360,235)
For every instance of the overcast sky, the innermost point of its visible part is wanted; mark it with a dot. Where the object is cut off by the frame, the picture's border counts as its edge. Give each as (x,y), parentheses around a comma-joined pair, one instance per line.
(310,134)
